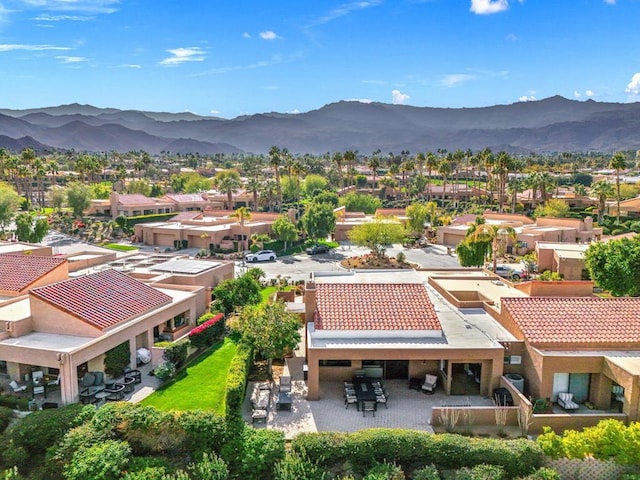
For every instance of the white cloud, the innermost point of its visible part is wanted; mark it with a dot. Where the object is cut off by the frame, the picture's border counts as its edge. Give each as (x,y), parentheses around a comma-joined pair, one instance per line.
(610,2)
(634,85)
(345,9)
(67,59)
(246,35)
(454,79)
(182,55)
(268,35)
(214,112)
(275,60)
(488,7)
(63,18)
(87,6)
(295,111)
(511,37)
(399,98)
(590,93)
(9,47)
(129,65)
(361,100)
(527,98)
(577,94)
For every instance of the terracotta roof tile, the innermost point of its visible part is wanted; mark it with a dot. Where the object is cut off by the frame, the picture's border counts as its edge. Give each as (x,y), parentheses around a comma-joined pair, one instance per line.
(186,197)
(135,199)
(363,306)
(17,272)
(103,299)
(580,320)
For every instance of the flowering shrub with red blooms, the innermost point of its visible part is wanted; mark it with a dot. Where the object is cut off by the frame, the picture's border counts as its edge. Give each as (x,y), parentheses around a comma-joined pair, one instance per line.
(208,332)
(80,224)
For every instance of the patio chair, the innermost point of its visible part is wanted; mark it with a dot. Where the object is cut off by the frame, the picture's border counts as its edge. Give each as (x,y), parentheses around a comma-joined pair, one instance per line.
(430,382)
(285,384)
(382,399)
(617,392)
(565,400)
(17,389)
(350,399)
(55,382)
(369,407)
(259,415)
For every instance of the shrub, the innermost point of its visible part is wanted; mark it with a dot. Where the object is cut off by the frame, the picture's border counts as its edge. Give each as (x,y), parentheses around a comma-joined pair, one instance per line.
(481,472)
(385,471)
(211,467)
(546,473)
(204,431)
(429,472)
(294,467)
(14,402)
(148,473)
(6,415)
(207,332)
(262,449)
(165,371)
(176,353)
(103,461)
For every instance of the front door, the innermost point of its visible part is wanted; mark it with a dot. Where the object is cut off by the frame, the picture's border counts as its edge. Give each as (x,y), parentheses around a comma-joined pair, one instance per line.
(396,369)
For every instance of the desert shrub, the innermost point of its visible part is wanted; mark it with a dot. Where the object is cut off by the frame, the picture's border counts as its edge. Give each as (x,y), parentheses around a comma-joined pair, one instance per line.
(401,257)
(165,371)
(385,471)
(262,449)
(481,472)
(78,438)
(295,467)
(429,472)
(148,473)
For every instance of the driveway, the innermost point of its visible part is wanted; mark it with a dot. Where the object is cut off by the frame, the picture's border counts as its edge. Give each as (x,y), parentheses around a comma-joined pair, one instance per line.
(298,267)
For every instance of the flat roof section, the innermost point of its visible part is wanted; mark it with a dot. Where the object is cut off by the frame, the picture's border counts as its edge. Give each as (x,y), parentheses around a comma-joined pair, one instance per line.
(47,341)
(185,266)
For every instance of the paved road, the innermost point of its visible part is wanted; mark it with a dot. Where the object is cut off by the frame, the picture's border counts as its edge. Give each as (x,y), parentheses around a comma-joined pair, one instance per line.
(298,267)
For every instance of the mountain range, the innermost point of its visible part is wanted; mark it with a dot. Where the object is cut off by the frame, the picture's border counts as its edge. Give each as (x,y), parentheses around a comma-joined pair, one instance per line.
(555,124)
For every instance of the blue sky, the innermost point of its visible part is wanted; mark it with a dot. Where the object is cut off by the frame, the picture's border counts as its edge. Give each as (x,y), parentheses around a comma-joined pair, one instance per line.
(230,58)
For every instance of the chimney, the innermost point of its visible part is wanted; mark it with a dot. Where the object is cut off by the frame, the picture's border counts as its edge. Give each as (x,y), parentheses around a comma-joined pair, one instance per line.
(309,300)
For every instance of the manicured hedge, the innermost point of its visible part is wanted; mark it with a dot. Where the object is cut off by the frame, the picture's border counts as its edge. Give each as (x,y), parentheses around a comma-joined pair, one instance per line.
(210,329)
(14,402)
(237,382)
(412,449)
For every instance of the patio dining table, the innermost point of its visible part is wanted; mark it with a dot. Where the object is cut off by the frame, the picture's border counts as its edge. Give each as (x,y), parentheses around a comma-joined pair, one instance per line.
(364,392)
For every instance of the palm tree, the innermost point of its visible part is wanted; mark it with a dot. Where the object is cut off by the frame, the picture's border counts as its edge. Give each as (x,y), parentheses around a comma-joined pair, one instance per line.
(275,158)
(242,214)
(431,162)
(374,165)
(444,169)
(338,159)
(514,186)
(603,190)
(483,232)
(618,163)
(350,159)
(228,181)
(253,185)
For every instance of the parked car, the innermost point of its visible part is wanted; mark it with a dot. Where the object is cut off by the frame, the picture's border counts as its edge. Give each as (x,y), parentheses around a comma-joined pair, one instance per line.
(511,271)
(317,249)
(261,256)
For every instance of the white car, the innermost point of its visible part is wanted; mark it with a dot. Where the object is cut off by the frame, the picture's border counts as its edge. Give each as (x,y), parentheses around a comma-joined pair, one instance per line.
(261,256)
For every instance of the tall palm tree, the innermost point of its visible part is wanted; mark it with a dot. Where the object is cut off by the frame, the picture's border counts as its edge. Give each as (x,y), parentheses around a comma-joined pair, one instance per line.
(431,162)
(275,159)
(374,165)
(618,162)
(603,190)
(338,159)
(228,182)
(253,185)
(243,214)
(350,159)
(444,169)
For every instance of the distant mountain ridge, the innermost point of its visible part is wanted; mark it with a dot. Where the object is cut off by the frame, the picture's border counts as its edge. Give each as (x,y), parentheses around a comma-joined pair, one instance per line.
(555,124)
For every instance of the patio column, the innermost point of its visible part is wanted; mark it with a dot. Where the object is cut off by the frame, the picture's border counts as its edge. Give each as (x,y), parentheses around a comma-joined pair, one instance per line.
(68,380)
(132,352)
(313,379)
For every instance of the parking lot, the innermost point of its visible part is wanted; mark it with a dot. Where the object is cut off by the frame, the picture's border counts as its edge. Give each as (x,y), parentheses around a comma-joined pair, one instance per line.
(298,267)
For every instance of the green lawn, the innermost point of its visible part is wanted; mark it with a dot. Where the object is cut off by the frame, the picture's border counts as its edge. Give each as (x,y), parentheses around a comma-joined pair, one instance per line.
(267,292)
(119,247)
(201,386)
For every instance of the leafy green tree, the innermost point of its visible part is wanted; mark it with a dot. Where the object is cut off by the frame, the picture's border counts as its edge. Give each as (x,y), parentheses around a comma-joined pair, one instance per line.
(234,293)
(78,197)
(103,461)
(327,197)
(495,235)
(285,230)
(313,184)
(243,214)
(9,205)
(271,330)
(554,207)
(228,182)
(29,228)
(615,266)
(419,213)
(357,202)
(102,190)
(319,220)
(57,197)
(190,183)
(139,186)
(473,254)
(377,235)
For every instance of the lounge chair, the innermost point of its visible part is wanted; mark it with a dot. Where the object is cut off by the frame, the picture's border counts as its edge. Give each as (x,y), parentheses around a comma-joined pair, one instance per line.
(430,382)
(17,389)
(565,400)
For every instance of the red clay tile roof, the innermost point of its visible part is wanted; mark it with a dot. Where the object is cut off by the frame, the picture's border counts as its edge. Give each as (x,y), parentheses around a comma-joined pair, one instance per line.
(367,306)
(103,299)
(186,216)
(18,272)
(580,320)
(186,197)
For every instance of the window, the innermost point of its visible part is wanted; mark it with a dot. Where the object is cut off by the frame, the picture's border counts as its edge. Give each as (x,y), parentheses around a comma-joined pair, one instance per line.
(335,363)
(180,320)
(522,244)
